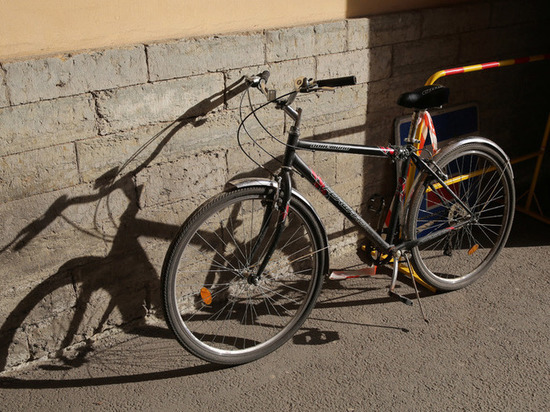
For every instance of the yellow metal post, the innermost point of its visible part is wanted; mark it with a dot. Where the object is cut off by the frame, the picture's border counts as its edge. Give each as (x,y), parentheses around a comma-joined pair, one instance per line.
(531,193)
(539,155)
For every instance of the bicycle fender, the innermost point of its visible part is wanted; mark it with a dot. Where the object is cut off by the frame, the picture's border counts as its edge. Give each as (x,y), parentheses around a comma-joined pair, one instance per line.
(454,143)
(240,183)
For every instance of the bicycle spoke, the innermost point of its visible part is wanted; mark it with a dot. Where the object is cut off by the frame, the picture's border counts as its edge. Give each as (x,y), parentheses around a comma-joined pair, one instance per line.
(223,314)
(482,183)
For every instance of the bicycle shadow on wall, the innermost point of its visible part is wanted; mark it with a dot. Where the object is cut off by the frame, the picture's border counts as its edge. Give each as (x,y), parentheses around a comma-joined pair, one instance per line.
(117,288)
(124,277)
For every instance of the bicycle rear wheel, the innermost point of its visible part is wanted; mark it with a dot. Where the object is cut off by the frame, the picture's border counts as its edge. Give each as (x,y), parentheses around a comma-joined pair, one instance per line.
(214,311)
(482,179)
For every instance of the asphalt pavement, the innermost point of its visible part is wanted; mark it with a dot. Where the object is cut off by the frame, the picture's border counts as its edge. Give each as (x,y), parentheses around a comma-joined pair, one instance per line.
(485,348)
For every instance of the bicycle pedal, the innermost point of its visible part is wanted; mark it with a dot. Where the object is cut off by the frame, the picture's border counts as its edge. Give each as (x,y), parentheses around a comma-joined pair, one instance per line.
(402,298)
(366,253)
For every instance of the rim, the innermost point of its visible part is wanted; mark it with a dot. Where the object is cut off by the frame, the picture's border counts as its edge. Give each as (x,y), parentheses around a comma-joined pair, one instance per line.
(481,184)
(270,309)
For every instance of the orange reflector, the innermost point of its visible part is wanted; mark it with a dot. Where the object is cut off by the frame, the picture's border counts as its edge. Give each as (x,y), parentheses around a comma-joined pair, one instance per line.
(473,249)
(206,296)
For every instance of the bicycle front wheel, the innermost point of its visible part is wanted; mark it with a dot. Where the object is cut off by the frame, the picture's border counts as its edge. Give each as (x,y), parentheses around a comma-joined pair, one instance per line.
(213,309)
(483,181)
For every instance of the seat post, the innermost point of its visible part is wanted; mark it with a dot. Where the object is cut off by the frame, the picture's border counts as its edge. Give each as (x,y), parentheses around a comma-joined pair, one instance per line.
(415,123)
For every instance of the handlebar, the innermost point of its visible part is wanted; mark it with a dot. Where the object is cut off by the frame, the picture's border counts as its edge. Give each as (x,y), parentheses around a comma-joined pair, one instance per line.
(337,82)
(302,84)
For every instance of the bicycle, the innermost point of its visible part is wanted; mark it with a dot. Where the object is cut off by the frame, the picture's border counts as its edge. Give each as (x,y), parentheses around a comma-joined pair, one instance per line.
(246,268)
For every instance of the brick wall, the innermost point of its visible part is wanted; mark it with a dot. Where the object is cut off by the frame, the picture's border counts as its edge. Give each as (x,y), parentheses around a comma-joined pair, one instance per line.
(81,247)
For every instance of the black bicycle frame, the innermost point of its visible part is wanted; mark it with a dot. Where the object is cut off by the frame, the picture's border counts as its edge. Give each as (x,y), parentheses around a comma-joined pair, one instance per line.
(313,178)
(293,162)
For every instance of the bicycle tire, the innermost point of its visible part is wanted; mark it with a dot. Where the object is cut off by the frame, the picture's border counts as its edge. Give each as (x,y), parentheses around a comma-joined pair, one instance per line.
(484,181)
(215,313)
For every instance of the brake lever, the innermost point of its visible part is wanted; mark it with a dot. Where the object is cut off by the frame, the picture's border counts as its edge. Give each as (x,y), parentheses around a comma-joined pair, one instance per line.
(253,81)
(305,85)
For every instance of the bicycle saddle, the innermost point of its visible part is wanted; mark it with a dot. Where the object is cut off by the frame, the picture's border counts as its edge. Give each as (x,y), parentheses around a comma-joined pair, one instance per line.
(425,97)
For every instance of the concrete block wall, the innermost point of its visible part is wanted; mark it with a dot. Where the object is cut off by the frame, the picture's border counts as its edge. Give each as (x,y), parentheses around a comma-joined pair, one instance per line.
(104,154)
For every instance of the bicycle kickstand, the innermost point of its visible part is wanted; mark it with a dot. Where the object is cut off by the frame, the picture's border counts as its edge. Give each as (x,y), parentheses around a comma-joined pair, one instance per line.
(416,289)
(402,298)
(392,292)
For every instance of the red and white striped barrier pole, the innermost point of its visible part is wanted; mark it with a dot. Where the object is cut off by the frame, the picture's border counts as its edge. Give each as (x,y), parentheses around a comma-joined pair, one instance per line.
(539,154)
(485,66)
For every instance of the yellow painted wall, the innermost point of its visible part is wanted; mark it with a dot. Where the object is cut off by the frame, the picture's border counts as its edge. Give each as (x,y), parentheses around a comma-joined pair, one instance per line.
(39,27)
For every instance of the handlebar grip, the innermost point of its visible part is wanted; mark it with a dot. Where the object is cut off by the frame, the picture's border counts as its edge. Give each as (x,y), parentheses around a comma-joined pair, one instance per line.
(337,82)
(264,75)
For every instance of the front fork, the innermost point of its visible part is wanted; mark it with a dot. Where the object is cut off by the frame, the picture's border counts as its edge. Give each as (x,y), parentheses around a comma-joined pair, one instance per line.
(281,200)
